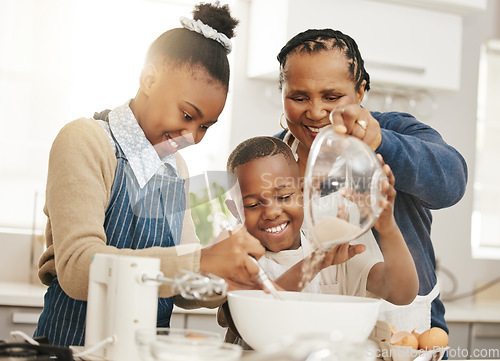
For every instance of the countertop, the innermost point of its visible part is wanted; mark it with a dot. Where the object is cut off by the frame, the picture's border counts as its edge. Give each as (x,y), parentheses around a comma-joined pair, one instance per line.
(247,355)
(31,295)
(21,294)
(469,311)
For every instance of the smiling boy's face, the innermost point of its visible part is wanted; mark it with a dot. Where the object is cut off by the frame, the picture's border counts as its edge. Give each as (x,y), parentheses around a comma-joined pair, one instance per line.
(272,199)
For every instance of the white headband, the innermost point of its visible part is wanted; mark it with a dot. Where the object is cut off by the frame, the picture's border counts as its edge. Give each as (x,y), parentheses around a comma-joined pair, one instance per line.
(207,31)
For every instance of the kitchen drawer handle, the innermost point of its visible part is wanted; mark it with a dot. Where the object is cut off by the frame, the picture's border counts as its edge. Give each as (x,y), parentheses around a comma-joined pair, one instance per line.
(486,332)
(25,318)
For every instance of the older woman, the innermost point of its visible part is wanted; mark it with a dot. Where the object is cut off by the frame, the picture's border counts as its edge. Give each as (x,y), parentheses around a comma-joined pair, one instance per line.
(322,71)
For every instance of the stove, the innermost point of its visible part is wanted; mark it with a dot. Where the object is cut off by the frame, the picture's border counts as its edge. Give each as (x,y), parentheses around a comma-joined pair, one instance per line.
(27,352)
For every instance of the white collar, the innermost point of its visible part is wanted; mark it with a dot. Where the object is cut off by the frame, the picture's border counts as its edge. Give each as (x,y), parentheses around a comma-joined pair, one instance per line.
(141,155)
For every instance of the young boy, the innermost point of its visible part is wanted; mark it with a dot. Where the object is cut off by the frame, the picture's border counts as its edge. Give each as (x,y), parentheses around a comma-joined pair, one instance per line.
(271,188)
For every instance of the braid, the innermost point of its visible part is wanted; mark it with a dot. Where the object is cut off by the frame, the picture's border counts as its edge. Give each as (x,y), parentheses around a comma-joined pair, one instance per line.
(316,40)
(256,148)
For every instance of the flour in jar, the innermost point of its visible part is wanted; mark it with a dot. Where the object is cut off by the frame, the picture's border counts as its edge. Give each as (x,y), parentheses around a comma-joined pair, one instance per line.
(333,229)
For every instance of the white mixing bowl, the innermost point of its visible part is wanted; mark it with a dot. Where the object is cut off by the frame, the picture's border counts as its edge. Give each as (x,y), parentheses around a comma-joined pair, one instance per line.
(264,321)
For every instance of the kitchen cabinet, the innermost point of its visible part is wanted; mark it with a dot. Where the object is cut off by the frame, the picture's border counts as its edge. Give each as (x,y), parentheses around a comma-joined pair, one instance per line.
(198,319)
(485,340)
(454,6)
(22,319)
(474,330)
(459,339)
(22,303)
(20,306)
(474,340)
(402,45)
(25,319)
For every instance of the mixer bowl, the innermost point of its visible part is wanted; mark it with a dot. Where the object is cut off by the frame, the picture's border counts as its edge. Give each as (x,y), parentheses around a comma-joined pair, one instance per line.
(170,344)
(264,322)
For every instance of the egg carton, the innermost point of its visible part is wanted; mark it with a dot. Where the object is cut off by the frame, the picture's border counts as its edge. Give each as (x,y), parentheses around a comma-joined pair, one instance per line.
(381,335)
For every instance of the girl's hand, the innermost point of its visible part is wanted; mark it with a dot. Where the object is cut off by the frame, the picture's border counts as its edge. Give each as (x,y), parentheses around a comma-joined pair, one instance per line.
(386,221)
(229,259)
(357,121)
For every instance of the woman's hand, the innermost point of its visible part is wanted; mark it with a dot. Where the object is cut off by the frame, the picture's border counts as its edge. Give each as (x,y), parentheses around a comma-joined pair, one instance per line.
(230,259)
(357,121)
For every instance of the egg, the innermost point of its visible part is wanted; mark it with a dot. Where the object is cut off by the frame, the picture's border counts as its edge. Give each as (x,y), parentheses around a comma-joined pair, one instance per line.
(433,338)
(195,335)
(404,338)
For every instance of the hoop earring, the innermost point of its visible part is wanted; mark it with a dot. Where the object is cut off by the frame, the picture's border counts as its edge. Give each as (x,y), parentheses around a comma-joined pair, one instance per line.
(281,125)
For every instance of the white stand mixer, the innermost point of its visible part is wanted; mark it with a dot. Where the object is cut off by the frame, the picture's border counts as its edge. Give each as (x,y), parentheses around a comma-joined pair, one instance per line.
(120,302)
(123,298)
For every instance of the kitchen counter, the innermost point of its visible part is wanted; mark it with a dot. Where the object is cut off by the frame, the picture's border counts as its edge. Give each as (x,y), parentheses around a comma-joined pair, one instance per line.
(474,328)
(21,294)
(469,311)
(20,307)
(247,355)
(31,295)
(253,356)
(21,304)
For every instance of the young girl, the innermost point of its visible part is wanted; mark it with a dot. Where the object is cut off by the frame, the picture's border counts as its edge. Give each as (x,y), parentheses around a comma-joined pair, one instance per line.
(117,185)
(271,188)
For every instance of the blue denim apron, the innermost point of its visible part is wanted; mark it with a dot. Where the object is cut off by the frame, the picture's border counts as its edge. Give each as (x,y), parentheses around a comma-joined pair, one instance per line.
(135,218)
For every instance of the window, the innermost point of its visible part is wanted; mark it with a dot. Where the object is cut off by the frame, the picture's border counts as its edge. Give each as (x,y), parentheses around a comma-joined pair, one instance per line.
(486,206)
(61,60)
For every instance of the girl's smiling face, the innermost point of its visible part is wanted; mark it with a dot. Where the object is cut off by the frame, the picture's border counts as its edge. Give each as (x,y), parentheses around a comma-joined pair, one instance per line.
(272,199)
(176,105)
(314,85)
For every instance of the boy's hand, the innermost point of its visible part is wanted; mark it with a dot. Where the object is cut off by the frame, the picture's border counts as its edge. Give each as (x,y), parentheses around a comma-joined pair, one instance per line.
(341,253)
(386,221)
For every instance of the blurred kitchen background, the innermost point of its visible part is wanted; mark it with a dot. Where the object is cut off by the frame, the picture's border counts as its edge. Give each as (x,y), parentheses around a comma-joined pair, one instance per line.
(437,59)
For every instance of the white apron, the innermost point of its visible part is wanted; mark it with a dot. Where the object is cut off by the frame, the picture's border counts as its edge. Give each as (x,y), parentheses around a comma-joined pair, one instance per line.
(415,316)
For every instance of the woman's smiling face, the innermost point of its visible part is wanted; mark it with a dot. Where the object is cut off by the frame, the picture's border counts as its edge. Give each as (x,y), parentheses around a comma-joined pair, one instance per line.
(272,199)
(314,85)
(181,103)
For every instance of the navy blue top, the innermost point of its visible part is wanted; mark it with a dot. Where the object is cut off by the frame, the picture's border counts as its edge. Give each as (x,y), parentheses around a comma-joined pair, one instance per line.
(430,174)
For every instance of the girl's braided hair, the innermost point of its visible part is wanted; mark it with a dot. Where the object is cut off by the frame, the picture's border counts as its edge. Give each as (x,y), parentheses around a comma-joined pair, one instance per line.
(316,40)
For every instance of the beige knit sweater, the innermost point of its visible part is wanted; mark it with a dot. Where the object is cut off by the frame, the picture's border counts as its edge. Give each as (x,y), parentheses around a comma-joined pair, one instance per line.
(82,166)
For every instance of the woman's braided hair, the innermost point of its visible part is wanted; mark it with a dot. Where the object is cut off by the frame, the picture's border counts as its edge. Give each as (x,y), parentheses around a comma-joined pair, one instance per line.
(316,40)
